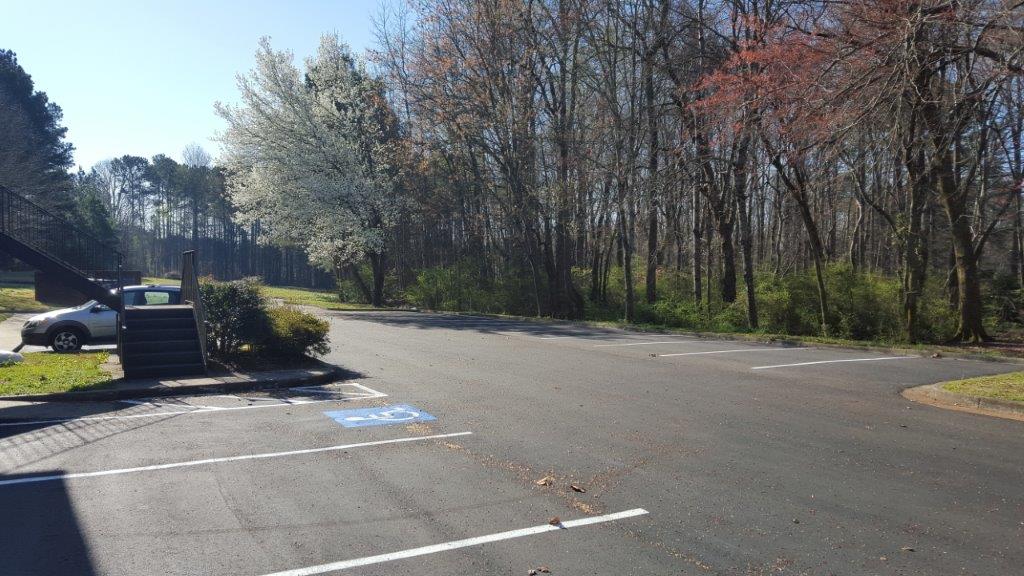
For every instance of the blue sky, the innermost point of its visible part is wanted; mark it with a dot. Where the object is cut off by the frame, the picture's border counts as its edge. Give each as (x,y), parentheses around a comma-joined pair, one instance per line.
(141,77)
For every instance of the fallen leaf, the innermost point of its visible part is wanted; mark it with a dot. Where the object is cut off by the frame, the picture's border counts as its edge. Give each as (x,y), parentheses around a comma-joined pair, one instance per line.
(532,572)
(936,355)
(577,488)
(907,549)
(544,569)
(555,521)
(545,481)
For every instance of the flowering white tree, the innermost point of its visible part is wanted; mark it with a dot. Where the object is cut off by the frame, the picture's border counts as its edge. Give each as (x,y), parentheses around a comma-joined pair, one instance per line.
(311,156)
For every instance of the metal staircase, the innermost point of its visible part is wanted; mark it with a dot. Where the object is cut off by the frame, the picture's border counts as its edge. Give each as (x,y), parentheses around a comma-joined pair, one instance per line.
(50,243)
(160,341)
(153,341)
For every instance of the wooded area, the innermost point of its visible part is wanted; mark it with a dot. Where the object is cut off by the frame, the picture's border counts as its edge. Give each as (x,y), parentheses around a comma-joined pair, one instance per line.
(715,144)
(849,169)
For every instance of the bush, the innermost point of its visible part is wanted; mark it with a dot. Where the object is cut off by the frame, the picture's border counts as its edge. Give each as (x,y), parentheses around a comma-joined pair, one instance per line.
(294,333)
(235,314)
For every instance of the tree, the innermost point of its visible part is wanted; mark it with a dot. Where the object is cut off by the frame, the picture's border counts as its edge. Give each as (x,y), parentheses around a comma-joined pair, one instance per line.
(311,157)
(34,158)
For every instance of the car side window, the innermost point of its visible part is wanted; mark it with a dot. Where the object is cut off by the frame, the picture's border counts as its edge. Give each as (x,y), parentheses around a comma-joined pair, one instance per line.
(154,298)
(151,297)
(134,298)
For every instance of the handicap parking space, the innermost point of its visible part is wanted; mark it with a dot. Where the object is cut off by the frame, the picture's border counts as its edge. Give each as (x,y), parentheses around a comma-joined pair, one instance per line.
(397,494)
(145,432)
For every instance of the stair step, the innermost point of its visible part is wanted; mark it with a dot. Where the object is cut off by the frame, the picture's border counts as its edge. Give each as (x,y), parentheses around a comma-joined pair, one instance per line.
(167,370)
(159,335)
(162,358)
(135,347)
(159,323)
(160,311)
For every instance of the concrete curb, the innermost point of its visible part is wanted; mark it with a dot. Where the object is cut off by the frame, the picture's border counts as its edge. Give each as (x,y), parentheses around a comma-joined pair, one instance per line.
(206,385)
(936,395)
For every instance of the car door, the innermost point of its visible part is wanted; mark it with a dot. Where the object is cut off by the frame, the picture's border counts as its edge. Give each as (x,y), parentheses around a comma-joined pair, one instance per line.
(102,323)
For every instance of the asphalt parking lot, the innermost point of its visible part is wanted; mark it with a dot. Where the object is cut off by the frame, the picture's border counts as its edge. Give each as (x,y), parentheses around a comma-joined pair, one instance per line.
(460,439)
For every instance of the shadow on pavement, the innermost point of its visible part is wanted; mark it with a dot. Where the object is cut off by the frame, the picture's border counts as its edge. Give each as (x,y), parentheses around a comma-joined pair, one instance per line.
(429,320)
(41,534)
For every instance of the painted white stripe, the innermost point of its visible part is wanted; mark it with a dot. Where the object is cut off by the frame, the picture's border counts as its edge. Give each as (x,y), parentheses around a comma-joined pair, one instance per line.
(645,343)
(835,362)
(31,479)
(456,544)
(554,337)
(733,351)
(195,409)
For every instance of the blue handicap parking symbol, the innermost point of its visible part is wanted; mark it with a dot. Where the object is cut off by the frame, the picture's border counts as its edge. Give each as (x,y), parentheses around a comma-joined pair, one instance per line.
(397,414)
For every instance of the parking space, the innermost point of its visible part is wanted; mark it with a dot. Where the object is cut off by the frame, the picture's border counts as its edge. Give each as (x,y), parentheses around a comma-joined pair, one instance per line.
(491,447)
(179,478)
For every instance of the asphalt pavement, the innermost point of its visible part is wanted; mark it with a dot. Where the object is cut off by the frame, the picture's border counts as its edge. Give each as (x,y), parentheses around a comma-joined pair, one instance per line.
(467,445)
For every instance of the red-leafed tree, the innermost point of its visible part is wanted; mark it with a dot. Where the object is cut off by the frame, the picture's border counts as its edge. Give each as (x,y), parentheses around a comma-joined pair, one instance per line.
(927,71)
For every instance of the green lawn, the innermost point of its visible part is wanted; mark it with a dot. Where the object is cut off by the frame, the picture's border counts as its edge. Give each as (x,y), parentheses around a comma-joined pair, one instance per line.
(43,373)
(1002,386)
(19,298)
(290,295)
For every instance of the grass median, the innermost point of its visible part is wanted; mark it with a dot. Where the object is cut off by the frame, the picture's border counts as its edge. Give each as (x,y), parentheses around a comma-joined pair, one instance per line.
(1001,386)
(291,295)
(16,298)
(45,373)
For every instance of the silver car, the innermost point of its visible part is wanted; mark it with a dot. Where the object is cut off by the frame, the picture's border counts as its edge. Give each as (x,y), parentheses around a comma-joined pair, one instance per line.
(68,329)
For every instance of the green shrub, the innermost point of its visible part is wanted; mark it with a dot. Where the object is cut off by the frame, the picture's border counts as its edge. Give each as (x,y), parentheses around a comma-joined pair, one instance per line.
(864,306)
(235,315)
(294,333)
(732,318)
(462,287)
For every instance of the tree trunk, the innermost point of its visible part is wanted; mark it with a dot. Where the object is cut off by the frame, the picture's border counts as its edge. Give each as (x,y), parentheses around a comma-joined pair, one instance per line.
(746,234)
(357,277)
(652,181)
(627,267)
(727,283)
(797,190)
(377,263)
(697,258)
(968,286)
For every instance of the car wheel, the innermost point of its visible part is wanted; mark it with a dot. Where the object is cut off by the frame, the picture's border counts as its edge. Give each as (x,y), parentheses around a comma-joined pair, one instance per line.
(66,340)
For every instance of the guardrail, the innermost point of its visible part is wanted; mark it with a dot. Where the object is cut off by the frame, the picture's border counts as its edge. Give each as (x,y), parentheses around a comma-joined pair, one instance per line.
(54,236)
(191,294)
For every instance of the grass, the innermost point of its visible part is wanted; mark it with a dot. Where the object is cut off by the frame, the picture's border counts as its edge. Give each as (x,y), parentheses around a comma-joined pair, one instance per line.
(1001,386)
(291,295)
(43,373)
(19,298)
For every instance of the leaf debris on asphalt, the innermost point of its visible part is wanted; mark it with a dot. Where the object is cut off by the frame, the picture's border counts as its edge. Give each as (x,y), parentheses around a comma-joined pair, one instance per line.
(577,488)
(545,481)
(555,521)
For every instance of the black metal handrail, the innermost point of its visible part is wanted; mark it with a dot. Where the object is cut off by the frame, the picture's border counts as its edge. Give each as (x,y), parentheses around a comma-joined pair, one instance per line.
(37,227)
(190,293)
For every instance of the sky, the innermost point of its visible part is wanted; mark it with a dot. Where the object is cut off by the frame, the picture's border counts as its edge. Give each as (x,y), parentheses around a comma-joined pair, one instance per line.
(141,77)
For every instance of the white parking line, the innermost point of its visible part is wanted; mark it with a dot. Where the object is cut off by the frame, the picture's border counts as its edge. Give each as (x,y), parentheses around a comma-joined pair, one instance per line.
(732,351)
(644,343)
(835,362)
(456,544)
(49,478)
(199,408)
